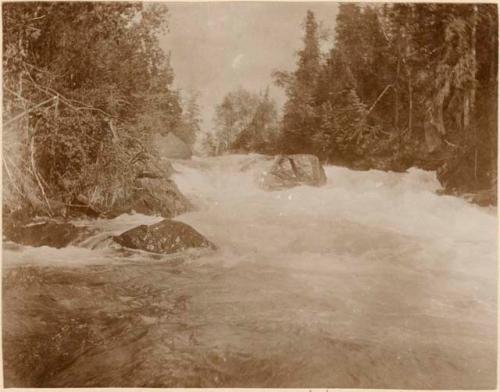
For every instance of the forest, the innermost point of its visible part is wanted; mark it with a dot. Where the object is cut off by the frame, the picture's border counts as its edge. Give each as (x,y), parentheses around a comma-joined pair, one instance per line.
(86,85)
(403,85)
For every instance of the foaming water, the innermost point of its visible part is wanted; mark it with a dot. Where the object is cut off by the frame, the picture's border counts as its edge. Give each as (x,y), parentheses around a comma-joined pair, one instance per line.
(372,280)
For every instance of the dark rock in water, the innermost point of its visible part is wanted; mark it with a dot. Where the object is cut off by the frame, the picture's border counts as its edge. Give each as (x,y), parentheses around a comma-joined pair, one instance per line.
(292,170)
(81,206)
(166,236)
(485,198)
(49,233)
(457,175)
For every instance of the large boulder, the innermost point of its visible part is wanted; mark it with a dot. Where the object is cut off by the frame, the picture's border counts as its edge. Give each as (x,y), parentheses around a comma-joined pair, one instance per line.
(291,170)
(171,146)
(150,192)
(166,236)
(49,233)
(457,175)
(156,196)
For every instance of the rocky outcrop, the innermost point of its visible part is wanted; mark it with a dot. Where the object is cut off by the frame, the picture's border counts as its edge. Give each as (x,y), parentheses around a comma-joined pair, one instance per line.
(49,233)
(171,146)
(166,236)
(159,168)
(292,170)
(460,177)
(150,192)
(153,192)
(155,196)
(457,175)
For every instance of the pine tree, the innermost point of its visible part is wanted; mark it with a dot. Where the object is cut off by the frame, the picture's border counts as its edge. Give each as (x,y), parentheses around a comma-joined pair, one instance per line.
(300,119)
(189,124)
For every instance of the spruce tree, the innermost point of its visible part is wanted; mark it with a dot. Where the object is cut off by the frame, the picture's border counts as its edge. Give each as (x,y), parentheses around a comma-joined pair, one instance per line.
(300,117)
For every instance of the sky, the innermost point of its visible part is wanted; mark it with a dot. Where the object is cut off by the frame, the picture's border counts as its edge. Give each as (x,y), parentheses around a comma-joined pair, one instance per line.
(218,47)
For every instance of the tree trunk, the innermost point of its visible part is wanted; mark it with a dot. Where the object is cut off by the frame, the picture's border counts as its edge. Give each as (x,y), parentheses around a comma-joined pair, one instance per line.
(472,102)
(410,103)
(35,174)
(396,97)
(408,69)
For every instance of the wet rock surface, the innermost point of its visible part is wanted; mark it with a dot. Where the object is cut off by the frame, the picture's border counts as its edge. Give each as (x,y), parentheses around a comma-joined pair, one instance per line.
(47,233)
(292,170)
(166,236)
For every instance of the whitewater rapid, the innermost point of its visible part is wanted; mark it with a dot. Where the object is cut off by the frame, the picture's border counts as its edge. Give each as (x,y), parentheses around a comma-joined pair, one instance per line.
(372,280)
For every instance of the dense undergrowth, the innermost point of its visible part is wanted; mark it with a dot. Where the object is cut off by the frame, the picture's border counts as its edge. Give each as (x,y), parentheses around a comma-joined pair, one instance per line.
(85,87)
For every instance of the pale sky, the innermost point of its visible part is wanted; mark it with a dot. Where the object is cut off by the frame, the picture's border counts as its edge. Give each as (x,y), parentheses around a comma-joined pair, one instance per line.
(217,47)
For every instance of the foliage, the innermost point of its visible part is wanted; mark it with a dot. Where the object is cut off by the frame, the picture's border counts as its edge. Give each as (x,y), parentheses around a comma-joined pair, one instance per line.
(85,84)
(189,125)
(262,131)
(206,144)
(299,118)
(245,122)
(402,80)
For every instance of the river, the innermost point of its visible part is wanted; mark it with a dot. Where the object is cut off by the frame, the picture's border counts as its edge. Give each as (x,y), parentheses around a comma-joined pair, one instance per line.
(371,281)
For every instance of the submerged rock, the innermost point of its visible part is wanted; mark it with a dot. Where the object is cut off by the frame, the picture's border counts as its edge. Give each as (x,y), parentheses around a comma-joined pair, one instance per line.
(48,233)
(166,236)
(292,170)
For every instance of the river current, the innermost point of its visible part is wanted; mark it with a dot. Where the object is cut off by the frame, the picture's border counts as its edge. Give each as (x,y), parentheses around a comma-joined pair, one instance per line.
(372,281)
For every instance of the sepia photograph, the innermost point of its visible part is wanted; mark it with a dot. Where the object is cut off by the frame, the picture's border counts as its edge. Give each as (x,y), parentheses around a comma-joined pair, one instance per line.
(249,194)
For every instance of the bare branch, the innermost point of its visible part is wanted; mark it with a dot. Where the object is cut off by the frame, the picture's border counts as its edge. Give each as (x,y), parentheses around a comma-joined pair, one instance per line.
(379,97)
(66,101)
(20,115)
(33,165)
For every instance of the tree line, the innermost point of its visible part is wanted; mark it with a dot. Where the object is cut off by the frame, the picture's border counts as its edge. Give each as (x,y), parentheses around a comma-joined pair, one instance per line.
(402,85)
(85,86)
(244,122)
